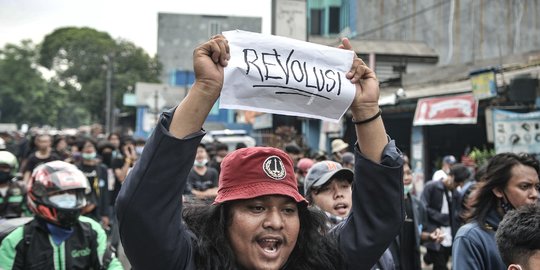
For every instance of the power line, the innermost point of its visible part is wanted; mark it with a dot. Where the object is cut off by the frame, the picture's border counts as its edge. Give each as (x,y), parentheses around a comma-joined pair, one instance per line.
(414,14)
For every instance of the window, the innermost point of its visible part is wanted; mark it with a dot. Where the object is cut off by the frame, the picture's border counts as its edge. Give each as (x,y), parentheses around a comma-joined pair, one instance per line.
(333,20)
(316,22)
(214,28)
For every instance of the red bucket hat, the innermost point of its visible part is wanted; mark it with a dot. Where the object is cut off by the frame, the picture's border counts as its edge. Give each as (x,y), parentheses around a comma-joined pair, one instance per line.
(257,171)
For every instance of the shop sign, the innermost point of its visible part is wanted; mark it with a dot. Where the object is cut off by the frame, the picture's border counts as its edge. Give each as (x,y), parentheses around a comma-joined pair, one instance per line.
(460,109)
(484,84)
(516,132)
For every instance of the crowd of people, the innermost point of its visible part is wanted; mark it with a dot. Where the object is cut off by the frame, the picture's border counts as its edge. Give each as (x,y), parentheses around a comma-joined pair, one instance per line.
(205,206)
(68,185)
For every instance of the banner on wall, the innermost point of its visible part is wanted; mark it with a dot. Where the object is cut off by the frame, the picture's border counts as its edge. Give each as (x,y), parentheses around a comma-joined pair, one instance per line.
(460,109)
(516,132)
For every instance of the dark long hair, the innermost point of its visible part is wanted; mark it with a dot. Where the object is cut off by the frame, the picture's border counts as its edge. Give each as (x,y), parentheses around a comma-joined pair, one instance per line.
(498,173)
(314,249)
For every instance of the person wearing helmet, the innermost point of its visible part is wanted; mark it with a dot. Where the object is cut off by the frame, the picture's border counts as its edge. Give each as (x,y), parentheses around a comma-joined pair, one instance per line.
(58,237)
(12,201)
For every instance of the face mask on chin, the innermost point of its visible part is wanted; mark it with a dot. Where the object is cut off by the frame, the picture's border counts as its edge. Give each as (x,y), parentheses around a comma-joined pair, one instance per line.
(407,188)
(201,163)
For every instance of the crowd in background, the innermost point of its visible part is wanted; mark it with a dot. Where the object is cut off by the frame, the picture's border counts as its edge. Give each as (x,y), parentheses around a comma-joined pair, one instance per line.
(434,215)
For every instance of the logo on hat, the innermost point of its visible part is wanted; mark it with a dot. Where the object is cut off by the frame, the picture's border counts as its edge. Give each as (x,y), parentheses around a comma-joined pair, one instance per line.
(274,168)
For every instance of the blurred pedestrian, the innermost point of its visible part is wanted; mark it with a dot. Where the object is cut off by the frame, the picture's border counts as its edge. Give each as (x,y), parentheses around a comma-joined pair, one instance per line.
(43,154)
(441,199)
(202,180)
(98,196)
(221,151)
(406,247)
(338,148)
(511,182)
(347,160)
(12,192)
(447,162)
(302,168)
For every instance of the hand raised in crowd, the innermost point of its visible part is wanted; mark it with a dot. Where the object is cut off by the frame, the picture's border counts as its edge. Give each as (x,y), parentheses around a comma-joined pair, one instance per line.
(367,85)
(129,152)
(370,131)
(209,59)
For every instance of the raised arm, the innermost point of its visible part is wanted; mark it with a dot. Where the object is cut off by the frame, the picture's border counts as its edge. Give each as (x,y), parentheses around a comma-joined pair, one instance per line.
(149,204)
(377,193)
(371,136)
(208,63)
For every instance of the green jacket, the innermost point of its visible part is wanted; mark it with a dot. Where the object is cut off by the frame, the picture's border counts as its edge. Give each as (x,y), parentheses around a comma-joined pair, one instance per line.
(31,247)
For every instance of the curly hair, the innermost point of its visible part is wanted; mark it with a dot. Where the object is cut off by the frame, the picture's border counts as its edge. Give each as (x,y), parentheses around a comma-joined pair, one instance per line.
(498,173)
(518,237)
(314,249)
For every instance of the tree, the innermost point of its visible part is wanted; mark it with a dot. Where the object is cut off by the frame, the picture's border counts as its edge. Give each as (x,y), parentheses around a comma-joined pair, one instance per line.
(80,56)
(26,96)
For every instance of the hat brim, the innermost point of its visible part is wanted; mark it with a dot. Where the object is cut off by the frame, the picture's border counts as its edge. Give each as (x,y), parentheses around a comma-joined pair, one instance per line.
(344,173)
(263,188)
(340,147)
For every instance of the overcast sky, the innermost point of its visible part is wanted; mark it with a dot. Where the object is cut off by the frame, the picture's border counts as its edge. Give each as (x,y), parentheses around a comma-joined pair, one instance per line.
(134,20)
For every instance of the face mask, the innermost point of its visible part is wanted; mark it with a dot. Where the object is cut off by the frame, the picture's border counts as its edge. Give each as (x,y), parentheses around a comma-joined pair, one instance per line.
(88,156)
(5,177)
(139,149)
(201,163)
(64,200)
(407,188)
(506,205)
(107,158)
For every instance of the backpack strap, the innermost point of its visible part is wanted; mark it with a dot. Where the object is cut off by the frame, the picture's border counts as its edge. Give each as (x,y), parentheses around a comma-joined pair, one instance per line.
(110,251)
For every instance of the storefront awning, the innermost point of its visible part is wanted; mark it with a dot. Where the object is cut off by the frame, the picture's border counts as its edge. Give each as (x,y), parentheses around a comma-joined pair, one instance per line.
(459,109)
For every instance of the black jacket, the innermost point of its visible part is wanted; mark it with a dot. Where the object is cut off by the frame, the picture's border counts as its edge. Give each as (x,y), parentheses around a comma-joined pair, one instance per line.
(149,205)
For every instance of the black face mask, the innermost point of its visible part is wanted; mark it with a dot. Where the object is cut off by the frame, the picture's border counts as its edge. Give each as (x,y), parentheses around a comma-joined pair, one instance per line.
(506,205)
(107,159)
(5,177)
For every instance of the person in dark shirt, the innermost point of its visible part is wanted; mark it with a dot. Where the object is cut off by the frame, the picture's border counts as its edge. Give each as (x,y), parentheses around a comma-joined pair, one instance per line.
(406,248)
(98,196)
(258,219)
(202,180)
(43,154)
(221,150)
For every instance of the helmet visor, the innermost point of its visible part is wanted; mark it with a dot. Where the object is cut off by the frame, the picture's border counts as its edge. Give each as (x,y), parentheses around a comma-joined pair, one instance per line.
(67,200)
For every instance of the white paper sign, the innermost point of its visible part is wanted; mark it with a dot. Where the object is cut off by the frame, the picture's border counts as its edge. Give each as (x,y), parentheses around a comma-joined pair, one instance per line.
(280,75)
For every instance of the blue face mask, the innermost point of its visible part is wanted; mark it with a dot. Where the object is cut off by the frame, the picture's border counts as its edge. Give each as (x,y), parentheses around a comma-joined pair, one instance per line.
(407,188)
(88,156)
(64,200)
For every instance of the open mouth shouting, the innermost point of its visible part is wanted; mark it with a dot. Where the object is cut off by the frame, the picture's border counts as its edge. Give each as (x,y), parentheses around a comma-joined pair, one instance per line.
(270,244)
(341,208)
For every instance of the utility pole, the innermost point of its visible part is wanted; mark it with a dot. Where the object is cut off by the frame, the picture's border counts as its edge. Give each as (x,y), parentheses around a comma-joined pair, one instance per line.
(108,94)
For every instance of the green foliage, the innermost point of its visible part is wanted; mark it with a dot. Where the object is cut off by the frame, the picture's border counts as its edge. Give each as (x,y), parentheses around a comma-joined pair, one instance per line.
(81,58)
(26,96)
(481,156)
(76,94)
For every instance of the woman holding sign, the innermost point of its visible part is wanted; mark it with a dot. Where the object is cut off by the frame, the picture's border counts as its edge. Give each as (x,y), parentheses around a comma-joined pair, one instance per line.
(258,219)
